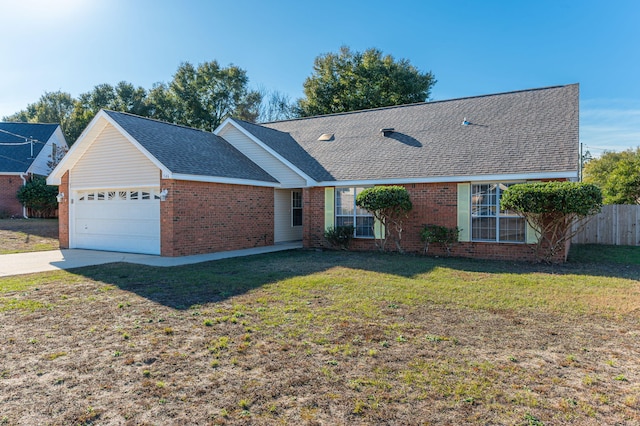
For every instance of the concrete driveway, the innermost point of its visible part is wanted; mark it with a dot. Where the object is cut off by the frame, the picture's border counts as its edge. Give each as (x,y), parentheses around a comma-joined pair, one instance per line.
(42,261)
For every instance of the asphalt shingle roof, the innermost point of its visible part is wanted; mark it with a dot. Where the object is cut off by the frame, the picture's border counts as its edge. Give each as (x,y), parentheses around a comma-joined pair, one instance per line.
(184,150)
(18,158)
(530,131)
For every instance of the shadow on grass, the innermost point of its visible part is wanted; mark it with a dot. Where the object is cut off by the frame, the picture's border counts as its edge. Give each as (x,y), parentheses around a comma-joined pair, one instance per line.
(185,286)
(46,228)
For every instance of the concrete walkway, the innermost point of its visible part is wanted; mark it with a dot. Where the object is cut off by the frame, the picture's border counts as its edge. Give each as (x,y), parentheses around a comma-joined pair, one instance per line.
(42,261)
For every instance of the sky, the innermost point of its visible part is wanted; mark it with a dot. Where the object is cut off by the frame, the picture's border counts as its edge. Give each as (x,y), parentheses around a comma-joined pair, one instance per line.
(472,47)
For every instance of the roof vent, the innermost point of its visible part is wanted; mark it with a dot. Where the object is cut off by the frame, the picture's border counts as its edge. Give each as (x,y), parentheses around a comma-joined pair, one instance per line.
(326,137)
(465,122)
(387,131)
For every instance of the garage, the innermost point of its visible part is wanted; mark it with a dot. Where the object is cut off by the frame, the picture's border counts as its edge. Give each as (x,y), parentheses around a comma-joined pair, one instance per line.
(136,185)
(126,220)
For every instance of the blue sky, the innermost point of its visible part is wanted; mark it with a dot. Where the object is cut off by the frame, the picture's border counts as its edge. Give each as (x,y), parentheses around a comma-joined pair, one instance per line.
(472,47)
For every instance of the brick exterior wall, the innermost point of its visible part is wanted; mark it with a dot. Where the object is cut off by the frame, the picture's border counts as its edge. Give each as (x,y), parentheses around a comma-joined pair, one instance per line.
(9,204)
(313,218)
(63,212)
(202,217)
(435,204)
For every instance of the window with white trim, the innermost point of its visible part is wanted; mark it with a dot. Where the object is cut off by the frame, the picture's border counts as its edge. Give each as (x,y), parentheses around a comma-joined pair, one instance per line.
(489,222)
(296,208)
(348,214)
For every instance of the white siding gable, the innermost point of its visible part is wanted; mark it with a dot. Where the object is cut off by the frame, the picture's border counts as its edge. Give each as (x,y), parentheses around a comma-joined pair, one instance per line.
(111,161)
(41,164)
(267,161)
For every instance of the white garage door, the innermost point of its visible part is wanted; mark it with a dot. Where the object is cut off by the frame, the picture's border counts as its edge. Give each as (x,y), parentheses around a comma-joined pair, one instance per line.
(117,220)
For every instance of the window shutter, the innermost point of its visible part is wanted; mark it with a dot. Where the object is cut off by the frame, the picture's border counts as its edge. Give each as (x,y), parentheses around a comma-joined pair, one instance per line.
(531,234)
(329,207)
(378,229)
(464,211)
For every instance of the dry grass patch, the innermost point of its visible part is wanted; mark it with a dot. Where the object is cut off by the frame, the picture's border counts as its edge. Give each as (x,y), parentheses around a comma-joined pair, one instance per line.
(322,338)
(28,235)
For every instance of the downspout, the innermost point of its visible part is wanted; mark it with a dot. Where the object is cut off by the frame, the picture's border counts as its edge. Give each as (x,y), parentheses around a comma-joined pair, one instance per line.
(24,208)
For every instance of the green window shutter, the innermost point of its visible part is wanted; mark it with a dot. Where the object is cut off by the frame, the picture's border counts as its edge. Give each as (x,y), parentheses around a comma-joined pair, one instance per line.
(531,234)
(464,211)
(378,229)
(329,207)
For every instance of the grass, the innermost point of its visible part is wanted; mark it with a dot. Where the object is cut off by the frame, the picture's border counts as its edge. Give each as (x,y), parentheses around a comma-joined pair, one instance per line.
(323,338)
(28,235)
(602,254)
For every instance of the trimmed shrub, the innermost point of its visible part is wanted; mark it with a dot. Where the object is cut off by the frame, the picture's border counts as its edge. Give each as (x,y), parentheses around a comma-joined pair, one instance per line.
(552,209)
(39,197)
(389,205)
(436,234)
(339,236)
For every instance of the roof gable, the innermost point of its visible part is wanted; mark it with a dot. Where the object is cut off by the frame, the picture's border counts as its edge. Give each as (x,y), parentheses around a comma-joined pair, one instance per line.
(178,151)
(517,133)
(186,151)
(17,153)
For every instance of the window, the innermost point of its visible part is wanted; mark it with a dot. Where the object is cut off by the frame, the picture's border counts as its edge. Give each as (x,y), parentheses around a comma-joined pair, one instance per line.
(488,221)
(296,208)
(348,214)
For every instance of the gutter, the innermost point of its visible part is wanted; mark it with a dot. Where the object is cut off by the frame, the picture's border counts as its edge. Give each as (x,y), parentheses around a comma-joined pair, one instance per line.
(24,208)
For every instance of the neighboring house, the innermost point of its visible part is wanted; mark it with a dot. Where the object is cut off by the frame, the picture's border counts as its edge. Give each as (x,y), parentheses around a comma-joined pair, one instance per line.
(144,186)
(26,149)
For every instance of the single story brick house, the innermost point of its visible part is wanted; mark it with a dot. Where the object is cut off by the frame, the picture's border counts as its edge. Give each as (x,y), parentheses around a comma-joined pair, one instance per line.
(139,185)
(26,149)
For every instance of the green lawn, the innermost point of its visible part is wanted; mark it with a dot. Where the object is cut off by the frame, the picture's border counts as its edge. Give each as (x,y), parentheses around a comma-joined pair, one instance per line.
(307,337)
(602,254)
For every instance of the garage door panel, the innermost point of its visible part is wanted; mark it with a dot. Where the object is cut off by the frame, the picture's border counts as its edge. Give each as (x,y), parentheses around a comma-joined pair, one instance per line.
(121,227)
(127,221)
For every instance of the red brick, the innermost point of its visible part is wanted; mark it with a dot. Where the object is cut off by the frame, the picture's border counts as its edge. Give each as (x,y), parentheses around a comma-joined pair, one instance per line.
(200,217)
(9,204)
(63,211)
(433,203)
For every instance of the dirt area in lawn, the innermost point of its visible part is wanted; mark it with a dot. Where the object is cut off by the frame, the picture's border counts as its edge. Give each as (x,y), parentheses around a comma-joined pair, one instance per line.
(28,235)
(315,339)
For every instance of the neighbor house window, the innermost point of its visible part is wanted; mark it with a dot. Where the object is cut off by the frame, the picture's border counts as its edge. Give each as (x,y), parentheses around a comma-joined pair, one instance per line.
(348,214)
(489,222)
(296,208)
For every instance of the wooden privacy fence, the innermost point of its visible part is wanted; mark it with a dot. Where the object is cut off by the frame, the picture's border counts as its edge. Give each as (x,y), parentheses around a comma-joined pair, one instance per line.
(616,224)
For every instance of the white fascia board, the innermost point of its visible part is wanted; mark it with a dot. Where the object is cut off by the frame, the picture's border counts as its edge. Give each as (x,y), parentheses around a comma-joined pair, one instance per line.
(13,173)
(229,121)
(453,179)
(217,179)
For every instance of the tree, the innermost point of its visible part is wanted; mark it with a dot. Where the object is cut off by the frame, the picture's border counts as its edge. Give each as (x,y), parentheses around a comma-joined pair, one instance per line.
(350,81)
(38,196)
(551,209)
(200,97)
(617,174)
(52,107)
(161,103)
(124,97)
(389,205)
(208,94)
(275,106)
